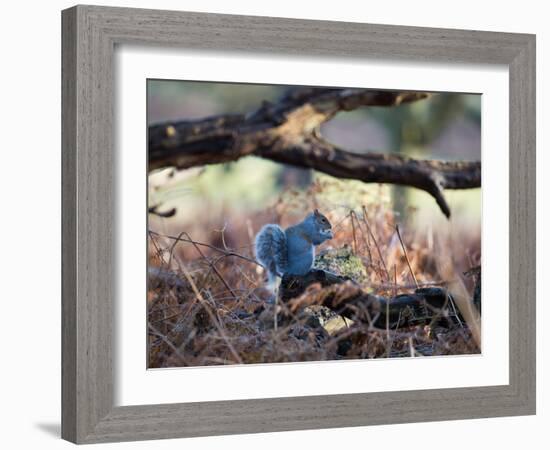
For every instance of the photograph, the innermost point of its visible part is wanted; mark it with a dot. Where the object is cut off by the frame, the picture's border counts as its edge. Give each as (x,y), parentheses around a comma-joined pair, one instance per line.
(292,224)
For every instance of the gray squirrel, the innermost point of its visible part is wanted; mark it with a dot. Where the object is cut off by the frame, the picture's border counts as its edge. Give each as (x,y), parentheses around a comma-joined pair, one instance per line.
(291,251)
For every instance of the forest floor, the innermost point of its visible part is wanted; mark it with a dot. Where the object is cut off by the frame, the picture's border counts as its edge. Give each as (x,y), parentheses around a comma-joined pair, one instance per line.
(207,302)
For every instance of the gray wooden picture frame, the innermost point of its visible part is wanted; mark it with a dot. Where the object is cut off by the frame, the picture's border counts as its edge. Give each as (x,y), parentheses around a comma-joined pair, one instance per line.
(90,34)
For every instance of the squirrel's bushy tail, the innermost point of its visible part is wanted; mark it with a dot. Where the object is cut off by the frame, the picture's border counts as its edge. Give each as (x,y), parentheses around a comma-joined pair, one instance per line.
(271,251)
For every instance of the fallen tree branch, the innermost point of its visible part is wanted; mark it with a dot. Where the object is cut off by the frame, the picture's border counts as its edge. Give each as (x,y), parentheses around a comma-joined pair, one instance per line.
(288,132)
(427,175)
(342,295)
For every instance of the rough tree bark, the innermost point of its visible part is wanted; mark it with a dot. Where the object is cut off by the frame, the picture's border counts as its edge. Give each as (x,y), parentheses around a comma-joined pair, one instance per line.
(289,132)
(348,299)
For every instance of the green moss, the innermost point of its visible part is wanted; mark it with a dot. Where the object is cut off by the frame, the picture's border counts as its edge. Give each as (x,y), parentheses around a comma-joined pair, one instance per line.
(342,262)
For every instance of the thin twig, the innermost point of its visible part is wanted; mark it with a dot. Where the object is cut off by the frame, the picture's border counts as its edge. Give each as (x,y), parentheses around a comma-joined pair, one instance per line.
(375,243)
(212,266)
(406,255)
(172,248)
(222,233)
(388,346)
(452,303)
(241,271)
(353,232)
(411,347)
(275,308)
(157,248)
(203,244)
(384,286)
(167,342)
(213,318)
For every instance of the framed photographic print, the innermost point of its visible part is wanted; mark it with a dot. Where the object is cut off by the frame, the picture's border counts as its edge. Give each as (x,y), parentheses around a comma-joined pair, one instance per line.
(265,229)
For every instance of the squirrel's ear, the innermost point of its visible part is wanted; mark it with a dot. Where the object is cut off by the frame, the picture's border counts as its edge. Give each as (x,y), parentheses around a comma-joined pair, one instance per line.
(316,212)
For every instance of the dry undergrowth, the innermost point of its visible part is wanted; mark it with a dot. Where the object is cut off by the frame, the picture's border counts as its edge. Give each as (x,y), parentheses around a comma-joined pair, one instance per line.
(207,303)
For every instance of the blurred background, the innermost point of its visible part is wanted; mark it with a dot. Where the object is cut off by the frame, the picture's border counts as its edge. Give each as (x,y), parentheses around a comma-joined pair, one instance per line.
(446,126)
